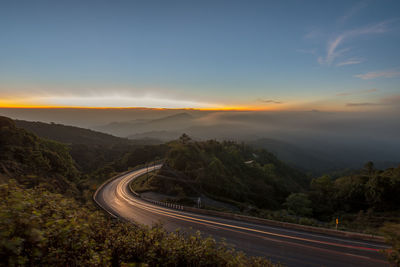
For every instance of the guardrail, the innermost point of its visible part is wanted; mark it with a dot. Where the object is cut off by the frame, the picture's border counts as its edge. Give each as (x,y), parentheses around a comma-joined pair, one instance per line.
(156,202)
(137,167)
(165,204)
(301,227)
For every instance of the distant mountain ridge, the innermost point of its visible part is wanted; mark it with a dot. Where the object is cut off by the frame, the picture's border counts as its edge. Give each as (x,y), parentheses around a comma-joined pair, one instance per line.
(69,134)
(313,151)
(164,136)
(128,128)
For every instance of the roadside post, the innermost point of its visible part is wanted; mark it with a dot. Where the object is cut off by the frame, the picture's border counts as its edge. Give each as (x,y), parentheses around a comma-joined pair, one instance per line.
(337,222)
(147,172)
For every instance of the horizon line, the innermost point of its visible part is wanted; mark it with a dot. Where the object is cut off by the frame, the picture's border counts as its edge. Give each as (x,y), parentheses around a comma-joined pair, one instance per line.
(141,108)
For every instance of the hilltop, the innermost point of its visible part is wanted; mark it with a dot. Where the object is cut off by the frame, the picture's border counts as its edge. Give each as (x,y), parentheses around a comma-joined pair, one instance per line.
(90,149)
(226,171)
(70,134)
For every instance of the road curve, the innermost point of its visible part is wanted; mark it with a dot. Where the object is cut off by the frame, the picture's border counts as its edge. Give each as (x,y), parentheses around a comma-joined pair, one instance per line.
(291,247)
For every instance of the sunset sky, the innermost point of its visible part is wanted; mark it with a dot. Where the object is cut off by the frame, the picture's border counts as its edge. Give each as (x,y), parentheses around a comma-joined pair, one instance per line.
(272,55)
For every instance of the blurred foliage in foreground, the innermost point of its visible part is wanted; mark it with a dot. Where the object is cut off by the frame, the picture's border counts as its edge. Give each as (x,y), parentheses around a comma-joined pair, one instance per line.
(42,228)
(392,237)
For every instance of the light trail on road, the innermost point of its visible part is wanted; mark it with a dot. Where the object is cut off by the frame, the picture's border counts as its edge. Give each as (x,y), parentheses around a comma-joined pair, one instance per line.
(292,247)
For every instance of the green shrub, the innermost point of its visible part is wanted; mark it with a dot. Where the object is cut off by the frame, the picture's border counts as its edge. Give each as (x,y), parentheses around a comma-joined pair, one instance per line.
(39,228)
(391,233)
(299,204)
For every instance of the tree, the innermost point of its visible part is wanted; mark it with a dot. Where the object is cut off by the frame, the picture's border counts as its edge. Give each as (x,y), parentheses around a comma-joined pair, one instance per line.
(369,167)
(299,204)
(321,195)
(184,139)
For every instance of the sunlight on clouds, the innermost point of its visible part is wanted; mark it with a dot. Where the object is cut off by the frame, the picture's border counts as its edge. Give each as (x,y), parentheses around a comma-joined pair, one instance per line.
(149,101)
(121,101)
(158,102)
(15,102)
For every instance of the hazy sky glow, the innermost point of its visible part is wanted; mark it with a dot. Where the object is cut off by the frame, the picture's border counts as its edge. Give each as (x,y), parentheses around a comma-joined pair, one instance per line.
(272,55)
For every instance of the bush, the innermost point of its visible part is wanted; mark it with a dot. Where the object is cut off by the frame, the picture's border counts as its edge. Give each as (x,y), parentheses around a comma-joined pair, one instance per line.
(392,237)
(46,229)
(299,204)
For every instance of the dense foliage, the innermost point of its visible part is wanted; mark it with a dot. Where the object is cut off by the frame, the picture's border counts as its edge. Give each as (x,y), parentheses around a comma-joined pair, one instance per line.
(33,161)
(392,237)
(369,189)
(228,171)
(92,150)
(41,228)
(364,201)
(299,204)
(86,158)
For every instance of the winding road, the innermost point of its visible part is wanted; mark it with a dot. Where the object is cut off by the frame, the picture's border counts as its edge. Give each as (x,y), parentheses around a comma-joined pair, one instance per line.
(290,247)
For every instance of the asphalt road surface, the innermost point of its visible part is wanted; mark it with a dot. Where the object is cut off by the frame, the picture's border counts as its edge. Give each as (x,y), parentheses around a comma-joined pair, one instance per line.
(290,247)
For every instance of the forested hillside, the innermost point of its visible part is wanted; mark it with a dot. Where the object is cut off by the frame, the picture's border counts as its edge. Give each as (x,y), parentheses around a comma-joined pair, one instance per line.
(367,198)
(93,150)
(47,217)
(70,134)
(54,181)
(227,171)
(234,173)
(33,161)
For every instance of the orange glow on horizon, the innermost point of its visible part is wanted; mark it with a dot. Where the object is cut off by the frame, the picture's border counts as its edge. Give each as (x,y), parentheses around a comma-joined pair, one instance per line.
(27,105)
(79,107)
(298,106)
(243,108)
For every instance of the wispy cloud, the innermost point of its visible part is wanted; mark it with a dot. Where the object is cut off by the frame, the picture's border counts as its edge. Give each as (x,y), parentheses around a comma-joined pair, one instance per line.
(122,101)
(333,52)
(269,101)
(378,74)
(358,92)
(350,61)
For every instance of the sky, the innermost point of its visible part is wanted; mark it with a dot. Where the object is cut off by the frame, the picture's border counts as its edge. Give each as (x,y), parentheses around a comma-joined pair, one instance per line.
(250,55)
